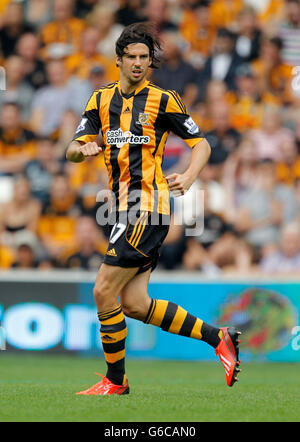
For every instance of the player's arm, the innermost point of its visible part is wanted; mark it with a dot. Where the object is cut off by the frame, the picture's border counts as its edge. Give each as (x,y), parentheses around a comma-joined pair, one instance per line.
(180,183)
(77,151)
(178,121)
(83,144)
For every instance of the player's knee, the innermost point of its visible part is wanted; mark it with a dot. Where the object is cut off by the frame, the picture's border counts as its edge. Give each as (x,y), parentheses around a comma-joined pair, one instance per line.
(137,311)
(102,291)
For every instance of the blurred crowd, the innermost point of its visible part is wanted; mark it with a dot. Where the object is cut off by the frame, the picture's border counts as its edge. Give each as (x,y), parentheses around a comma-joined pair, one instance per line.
(236,65)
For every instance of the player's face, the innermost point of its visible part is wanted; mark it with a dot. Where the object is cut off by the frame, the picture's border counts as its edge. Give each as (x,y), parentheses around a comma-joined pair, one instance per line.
(135,62)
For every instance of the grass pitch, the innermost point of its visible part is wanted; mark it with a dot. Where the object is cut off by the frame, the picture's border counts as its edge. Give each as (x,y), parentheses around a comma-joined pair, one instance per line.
(41,388)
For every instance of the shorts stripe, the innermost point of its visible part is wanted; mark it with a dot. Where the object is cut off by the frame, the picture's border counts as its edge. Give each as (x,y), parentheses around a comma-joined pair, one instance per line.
(141,233)
(134,229)
(140,224)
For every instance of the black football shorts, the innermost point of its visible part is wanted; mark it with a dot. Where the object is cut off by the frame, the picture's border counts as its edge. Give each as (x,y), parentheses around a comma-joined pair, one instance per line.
(136,242)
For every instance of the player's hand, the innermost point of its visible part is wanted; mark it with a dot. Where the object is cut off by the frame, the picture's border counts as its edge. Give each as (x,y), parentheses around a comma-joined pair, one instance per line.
(178,183)
(90,149)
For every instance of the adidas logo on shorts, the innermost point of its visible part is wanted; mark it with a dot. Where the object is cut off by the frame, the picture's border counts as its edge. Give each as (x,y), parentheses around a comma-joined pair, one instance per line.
(111,252)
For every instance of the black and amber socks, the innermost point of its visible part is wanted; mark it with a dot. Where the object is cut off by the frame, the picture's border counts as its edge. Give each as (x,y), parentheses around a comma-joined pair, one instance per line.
(113,332)
(174,319)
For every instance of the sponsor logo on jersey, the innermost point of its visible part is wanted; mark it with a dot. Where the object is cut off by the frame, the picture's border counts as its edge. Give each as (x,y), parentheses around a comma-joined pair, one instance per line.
(119,138)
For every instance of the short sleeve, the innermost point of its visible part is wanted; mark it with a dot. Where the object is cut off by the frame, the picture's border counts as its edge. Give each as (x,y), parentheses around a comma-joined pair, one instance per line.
(180,122)
(90,124)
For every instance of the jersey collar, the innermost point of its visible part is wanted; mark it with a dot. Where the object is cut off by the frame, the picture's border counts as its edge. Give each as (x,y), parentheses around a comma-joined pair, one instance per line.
(135,92)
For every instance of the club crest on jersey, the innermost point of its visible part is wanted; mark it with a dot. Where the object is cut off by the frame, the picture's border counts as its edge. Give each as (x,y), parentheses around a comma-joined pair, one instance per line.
(143,119)
(119,138)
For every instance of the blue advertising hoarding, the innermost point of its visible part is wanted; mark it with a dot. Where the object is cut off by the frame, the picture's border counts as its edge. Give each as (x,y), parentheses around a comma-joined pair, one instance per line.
(61,316)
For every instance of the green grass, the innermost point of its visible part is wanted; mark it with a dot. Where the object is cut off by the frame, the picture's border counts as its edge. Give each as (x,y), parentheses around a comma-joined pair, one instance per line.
(41,388)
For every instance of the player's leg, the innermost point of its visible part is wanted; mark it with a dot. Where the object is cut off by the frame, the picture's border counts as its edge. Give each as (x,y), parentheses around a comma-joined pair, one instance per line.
(108,285)
(134,297)
(167,315)
(172,318)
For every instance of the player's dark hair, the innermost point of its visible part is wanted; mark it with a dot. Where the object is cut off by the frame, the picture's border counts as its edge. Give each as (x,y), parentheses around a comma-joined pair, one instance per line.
(142,32)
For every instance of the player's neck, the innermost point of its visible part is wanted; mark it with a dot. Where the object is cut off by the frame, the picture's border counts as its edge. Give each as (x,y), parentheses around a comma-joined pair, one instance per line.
(127,87)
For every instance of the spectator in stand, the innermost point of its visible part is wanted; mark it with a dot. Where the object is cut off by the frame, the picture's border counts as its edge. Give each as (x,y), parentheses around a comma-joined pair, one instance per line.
(297,134)
(50,102)
(81,62)
(214,92)
(225,13)
(285,259)
(87,179)
(38,13)
(67,127)
(223,138)
(238,174)
(186,211)
(274,76)
(247,102)
(84,7)
(6,257)
(175,73)
(17,143)
(288,170)
(173,247)
(130,12)
(217,247)
(262,209)
(271,135)
(3,6)
(65,29)
(97,77)
(248,35)
(21,213)
(17,89)
(89,249)
(271,15)
(223,62)
(289,32)
(41,170)
(28,254)
(14,26)
(103,17)
(157,12)
(196,28)
(57,224)
(28,48)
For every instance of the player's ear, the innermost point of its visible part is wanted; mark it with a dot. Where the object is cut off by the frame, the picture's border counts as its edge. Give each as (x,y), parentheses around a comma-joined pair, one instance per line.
(118,61)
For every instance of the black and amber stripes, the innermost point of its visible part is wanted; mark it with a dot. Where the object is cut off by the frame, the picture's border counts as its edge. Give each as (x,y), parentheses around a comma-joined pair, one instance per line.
(138,229)
(178,101)
(135,128)
(173,319)
(113,333)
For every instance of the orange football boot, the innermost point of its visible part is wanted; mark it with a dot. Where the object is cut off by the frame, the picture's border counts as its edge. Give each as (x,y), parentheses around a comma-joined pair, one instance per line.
(106,387)
(228,352)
